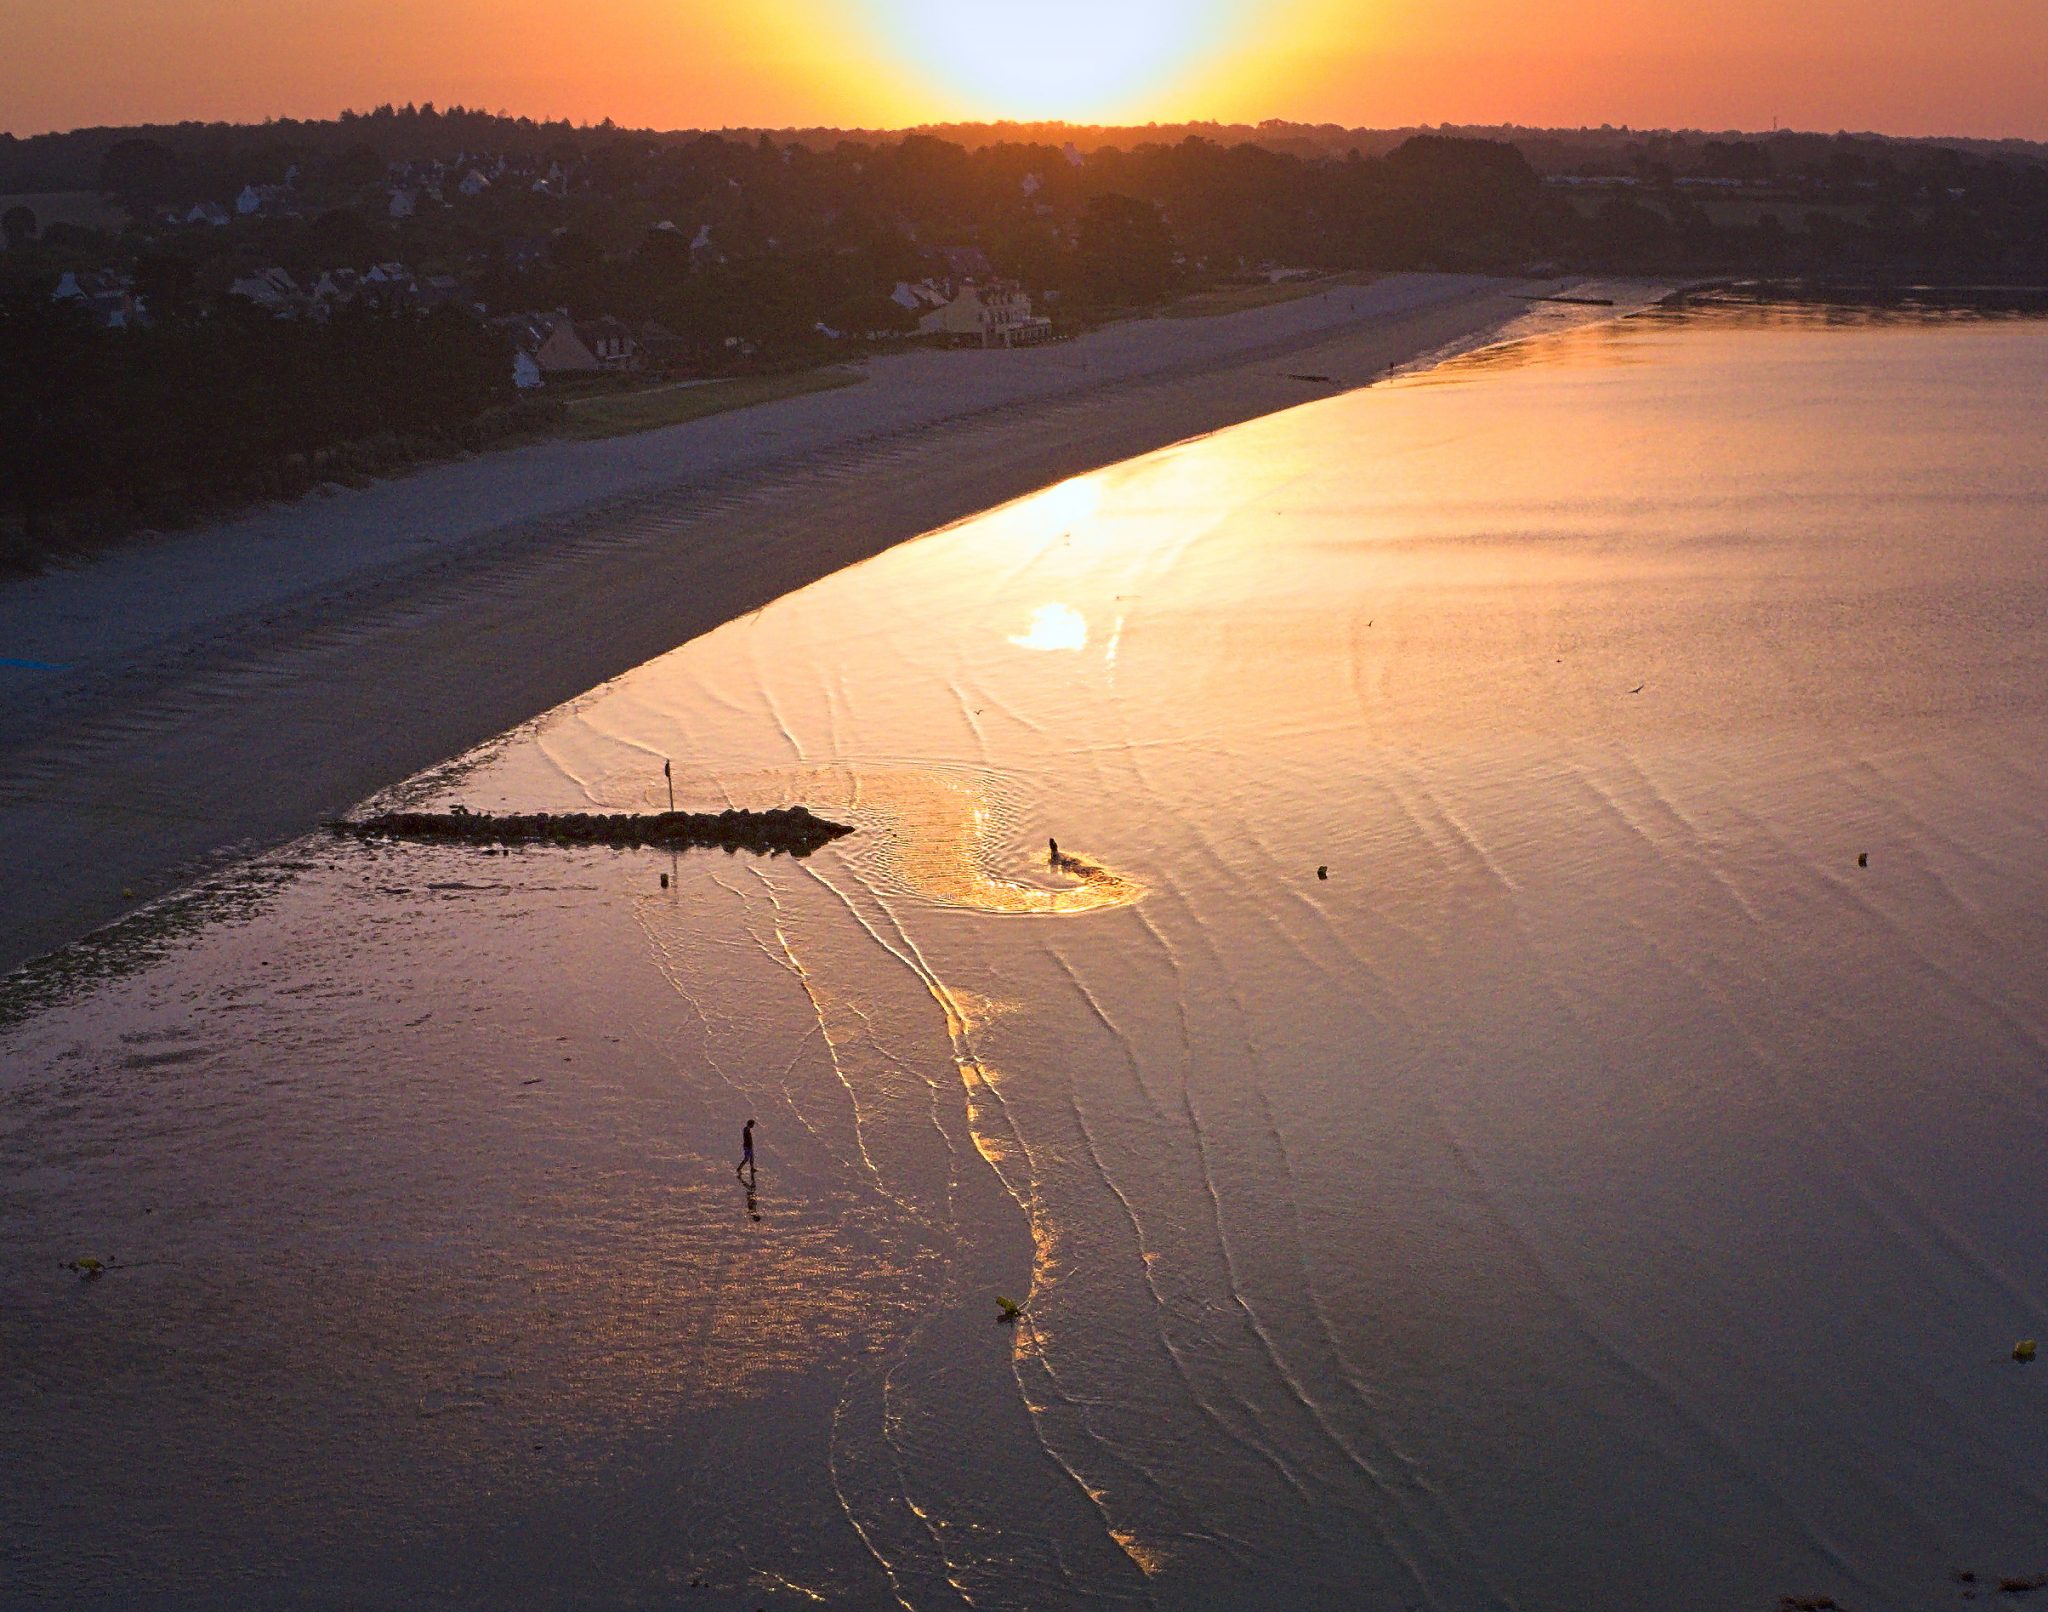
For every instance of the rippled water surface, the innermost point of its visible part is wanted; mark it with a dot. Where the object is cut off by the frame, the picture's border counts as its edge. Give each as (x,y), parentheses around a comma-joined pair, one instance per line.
(1598,1190)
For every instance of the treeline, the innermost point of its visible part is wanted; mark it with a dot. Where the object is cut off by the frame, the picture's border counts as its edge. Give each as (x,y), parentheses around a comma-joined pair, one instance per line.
(166,423)
(217,154)
(213,160)
(800,235)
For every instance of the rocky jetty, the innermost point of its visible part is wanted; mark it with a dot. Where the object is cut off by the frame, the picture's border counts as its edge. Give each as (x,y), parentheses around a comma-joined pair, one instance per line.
(786,830)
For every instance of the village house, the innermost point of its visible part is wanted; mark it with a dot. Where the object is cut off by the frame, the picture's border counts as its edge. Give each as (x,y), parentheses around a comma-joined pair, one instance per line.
(273,290)
(259,199)
(562,351)
(388,285)
(527,332)
(559,345)
(438,291)
(919,299)
(107,296)
(611,341)
(994,314)
(336,288)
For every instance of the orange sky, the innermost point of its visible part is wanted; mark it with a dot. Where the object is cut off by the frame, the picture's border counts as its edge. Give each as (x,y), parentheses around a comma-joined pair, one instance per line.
(1900,66)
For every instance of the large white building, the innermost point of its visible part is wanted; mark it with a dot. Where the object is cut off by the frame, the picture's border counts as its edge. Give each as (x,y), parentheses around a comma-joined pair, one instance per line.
(994,314)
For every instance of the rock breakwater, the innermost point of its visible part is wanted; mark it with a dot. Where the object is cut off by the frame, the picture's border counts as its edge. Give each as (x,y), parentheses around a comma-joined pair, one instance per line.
(785,830)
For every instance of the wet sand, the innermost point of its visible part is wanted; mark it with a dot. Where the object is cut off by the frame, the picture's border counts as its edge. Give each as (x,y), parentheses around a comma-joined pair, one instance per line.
(205,695)
(1615,1184)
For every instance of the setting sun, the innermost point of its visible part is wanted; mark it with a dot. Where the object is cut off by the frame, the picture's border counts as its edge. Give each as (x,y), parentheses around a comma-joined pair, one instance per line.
(1064,58)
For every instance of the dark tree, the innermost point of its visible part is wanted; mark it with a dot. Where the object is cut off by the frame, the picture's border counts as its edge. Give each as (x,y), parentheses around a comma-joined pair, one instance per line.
(54,355)
(1481,165)
(357,168)
(167,285)
(143,173)
(19,226)
(341,238)
(1125,253)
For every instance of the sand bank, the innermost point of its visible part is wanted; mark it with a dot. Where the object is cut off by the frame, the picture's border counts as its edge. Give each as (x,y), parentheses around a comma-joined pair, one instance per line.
(205,694)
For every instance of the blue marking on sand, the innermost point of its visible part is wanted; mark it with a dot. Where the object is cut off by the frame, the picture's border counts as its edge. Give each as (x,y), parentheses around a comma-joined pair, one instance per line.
(33,665)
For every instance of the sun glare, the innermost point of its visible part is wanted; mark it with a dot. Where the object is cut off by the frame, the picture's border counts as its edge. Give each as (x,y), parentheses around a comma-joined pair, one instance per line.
(1053,59)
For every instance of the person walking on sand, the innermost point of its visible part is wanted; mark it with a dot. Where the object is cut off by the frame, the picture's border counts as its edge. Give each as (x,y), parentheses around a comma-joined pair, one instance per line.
(745,1167)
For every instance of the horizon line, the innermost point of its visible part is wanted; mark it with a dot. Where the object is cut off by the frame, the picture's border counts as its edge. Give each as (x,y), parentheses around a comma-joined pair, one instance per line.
(429,108)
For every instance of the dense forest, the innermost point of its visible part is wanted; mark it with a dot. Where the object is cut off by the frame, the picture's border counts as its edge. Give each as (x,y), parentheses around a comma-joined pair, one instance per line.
(224,152)
(168,419)
(784,248)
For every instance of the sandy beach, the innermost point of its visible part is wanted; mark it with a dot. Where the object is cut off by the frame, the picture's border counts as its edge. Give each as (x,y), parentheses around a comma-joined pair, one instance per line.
(198,696)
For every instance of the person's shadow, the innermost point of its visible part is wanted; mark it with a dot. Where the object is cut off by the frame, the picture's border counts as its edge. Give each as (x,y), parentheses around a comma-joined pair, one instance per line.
(753,1204)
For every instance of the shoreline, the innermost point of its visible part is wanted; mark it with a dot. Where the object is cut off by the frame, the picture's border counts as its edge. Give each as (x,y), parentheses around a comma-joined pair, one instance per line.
(183,703)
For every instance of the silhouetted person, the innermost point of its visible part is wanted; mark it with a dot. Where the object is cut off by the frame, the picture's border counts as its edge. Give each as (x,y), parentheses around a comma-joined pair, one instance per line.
(745,1168)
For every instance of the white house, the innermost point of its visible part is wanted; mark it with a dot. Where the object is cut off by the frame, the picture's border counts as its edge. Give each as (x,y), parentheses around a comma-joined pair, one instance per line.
(404,203)
(995,314)
(473,183)
(526,373)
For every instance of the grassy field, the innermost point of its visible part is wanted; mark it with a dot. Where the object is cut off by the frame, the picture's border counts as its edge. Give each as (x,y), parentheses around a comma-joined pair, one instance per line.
(1237,298)
(617,414)
(1723,210)
(86,208)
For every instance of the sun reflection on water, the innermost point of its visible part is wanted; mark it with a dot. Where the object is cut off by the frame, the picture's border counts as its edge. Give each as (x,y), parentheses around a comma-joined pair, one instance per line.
(1054,626)
(938,833)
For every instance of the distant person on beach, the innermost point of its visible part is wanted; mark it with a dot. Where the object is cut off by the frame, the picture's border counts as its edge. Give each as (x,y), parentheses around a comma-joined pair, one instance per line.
(746,1165)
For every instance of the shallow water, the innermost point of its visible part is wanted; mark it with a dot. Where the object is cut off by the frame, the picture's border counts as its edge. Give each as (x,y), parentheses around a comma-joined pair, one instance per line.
(1598,1190)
